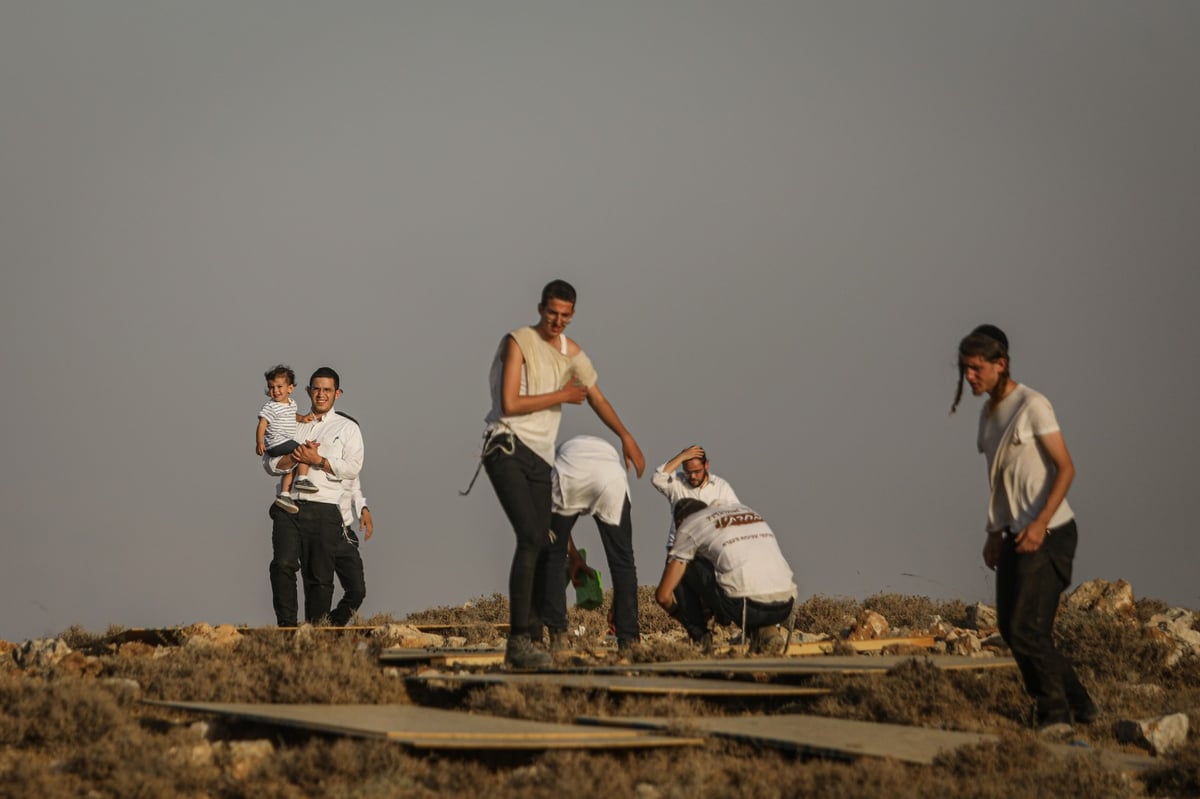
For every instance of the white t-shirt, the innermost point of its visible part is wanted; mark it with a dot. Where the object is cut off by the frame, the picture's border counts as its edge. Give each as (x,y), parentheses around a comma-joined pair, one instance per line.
(742,549)
(674,486)
(1020,471)
(589,477)
(281,421)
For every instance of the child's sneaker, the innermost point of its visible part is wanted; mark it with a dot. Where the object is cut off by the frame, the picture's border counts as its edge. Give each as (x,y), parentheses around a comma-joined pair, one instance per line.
(305,485)
(286,503)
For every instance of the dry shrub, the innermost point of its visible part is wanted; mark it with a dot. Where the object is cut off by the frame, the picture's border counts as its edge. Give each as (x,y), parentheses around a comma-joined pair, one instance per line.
(914,693)
(915,612)
(829,615)
(1178,774)
(1019,766)
(1145,608)
(1110,648)
(57,713)
(481,610)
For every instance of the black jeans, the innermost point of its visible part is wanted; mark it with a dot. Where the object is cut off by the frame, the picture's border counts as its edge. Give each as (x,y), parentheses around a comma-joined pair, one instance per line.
(699,596)
(522,484)
(618,547)
(304,542)
(348,566)
(1027,590)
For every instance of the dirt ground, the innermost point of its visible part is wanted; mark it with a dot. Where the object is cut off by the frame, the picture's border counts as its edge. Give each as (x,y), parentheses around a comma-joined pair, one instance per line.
(76,726)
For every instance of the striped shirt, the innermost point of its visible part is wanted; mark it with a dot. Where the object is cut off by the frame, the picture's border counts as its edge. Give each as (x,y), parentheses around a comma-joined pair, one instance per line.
(281,421)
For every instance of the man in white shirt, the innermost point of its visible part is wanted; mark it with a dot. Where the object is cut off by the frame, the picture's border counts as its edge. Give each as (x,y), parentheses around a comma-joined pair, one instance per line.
(590,478)
(1031,531)
(347,563)
(307,541)
(726,563)
(692,480)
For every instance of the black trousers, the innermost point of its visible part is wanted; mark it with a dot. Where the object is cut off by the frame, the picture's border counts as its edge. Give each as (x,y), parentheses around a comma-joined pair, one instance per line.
(304,542)
(348,566)
(699,596)
(1028,586)
(618,547)
(521,481)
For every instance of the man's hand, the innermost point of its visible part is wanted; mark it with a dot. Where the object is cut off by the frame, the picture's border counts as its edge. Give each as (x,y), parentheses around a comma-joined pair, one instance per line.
(991,550)
(308,453)
(305,417)
(366,524)
(694,451)
(1030,539)
(633,454)
(574,392)
(259,448)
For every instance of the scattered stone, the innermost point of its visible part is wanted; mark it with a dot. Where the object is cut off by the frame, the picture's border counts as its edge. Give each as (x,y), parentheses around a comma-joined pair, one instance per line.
(1160,735)
(982,617)
(197,754)
(205,636)
(201,729)
(123,684)
(994,641)
(645,790)
(869,626)
(244,756)
(963,642)
(407,636)
(1175,629)
(41,653)
(455,641)
(1101,596)
(940,628)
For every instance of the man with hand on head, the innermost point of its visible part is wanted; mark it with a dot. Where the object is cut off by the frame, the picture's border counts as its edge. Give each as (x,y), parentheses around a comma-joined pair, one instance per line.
(693,480)
(308,541)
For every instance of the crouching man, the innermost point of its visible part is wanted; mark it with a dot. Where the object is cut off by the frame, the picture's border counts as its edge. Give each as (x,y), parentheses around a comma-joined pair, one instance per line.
(726,564)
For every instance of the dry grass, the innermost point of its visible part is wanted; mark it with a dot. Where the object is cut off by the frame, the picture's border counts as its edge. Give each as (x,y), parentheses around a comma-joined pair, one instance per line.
(63,735)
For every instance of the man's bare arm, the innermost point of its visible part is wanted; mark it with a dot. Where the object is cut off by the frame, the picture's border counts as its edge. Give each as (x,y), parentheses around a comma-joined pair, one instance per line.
(631,451)
(513,403)
(1030,539)
(672,574)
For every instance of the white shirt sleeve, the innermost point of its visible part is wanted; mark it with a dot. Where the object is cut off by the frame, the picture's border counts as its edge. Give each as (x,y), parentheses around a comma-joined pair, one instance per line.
(350,462)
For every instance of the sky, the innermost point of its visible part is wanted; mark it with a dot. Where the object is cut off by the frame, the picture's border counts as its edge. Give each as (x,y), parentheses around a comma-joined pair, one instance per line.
(780,218)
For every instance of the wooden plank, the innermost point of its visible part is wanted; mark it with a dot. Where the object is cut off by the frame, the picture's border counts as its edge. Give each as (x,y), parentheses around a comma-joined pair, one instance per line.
(624,684)
(430,728)
(442,657)
(874,645)
(817,735)
(838,664)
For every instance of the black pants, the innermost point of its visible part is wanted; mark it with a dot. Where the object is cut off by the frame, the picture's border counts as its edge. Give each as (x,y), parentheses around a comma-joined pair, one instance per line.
(618,547)
(522,484)
(304,542)
(348,566)
(1027,590)
(699,596)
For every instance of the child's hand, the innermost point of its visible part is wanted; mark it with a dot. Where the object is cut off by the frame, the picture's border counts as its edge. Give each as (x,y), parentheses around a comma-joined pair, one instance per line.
(259,449)
(306,417)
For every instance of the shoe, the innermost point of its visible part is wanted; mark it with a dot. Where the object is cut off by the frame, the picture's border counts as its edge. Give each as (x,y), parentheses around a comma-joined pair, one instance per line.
(767,640)
(286,503)
(519,653)
(704,643)
(1086,714)
(560,641)
(305,485)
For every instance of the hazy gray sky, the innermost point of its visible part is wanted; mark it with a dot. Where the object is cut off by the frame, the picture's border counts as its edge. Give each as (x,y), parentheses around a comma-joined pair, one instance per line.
(780,216)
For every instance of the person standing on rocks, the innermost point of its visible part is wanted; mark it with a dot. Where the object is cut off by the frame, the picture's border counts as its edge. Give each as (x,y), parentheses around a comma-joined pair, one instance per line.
(687,475)
(1031,531)
(589,478)
(308,541)
(535,370)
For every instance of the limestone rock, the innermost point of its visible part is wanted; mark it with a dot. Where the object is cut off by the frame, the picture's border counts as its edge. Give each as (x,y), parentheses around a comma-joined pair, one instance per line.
(407,636)
(77,664)
(1175,628)
(963,642)
(869,626)
(41,653)
(1160,735)
(1101,596)
(243,757)
(940,628)
(982,617)
(205,636)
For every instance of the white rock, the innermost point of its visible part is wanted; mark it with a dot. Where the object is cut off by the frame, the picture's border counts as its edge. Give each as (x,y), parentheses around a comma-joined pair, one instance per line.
(981,617)
(1111,599)
(1160,735)
(41,652)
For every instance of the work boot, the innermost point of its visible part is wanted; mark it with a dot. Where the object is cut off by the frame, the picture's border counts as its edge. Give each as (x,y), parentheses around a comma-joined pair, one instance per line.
(559,641)
(520,653)
(767,640)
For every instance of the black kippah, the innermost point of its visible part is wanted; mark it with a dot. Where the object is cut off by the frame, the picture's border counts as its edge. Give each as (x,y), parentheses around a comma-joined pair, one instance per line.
(992,332)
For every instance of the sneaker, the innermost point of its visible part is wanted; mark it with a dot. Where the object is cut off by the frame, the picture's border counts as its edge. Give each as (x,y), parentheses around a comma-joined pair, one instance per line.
(519,653)
(286,503)
(767,640)
(305,485)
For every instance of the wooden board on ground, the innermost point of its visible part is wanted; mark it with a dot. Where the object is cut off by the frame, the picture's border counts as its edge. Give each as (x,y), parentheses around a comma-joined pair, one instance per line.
(847,739)
(429,728)
(442,657)
(624,684)
(838,664)
(874,645)
(174,636)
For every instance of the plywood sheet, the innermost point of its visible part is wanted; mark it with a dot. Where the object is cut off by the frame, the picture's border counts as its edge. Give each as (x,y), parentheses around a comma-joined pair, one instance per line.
(444,657)
(660,685)
(430,728)
(838,664)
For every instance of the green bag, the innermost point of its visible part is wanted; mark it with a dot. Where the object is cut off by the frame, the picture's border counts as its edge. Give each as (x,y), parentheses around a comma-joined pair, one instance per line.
(589,595)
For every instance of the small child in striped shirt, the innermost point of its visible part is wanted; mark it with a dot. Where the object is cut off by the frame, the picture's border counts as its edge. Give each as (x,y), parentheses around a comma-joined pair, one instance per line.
(276,434)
